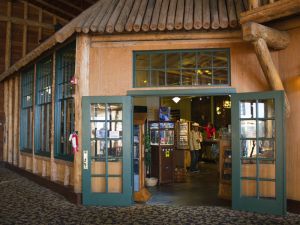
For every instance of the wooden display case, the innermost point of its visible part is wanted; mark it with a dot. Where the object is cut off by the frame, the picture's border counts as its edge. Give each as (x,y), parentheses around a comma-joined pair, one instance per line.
(162,150)
(225,169)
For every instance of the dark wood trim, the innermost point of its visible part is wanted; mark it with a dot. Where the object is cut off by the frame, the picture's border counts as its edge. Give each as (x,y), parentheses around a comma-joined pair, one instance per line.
(66,191)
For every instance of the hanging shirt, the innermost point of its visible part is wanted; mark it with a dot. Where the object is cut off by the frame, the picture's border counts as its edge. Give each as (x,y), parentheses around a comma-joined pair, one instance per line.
(195,139)
(209,132)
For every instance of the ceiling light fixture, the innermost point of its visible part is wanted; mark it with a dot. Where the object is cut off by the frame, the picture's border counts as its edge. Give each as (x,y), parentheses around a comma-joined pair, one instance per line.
(176,99)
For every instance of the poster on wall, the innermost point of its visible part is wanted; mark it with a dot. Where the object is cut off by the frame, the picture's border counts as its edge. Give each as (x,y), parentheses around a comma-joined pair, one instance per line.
(164,113)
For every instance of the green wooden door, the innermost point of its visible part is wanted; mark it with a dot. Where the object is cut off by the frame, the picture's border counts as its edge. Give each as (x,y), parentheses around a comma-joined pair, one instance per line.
(106,156)
(258,152)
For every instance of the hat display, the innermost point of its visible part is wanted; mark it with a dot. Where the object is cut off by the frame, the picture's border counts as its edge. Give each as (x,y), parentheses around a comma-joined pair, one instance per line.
(195,124)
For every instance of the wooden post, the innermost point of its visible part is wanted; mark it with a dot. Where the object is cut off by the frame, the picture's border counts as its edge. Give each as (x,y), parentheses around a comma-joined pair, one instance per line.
(253,4)
(82,89)
(5,142)
(8,38)
(53,169)
(67,175)
(10,120)
(44,168)
(274,38)
(24,46)
(16,134)
(269,69)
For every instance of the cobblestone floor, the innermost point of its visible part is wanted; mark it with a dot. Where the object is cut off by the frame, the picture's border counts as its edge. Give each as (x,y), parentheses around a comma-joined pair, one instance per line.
(24,202)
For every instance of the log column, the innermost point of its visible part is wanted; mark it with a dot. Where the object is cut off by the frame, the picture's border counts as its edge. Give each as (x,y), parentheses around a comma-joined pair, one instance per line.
(82,89)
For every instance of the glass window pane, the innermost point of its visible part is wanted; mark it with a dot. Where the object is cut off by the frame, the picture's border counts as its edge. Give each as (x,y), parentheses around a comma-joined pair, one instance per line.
(248,109)
(158,61)
(142,78)
(266,108)
(248,188)
(267,189)
(220,59)
(248,148)
(248,128)
(205,76)
(97,111)
(205,60)
(115,184)
(173,77)
(266,149)
(98,130)
(220,76)
(173,61)
(114,112)
(158,78)
(142,61)
(115,149)
(189,60)
(98,149)
(266,128)
(98,184)
(189,77)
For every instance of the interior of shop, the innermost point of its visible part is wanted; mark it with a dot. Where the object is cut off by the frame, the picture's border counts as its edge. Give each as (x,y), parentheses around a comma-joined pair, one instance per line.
(164,159)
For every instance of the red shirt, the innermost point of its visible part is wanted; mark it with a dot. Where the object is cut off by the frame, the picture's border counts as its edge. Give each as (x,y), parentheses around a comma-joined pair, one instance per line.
(209,132)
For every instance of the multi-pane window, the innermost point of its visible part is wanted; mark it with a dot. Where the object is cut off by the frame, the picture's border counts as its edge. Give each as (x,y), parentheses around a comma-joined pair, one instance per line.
(65,106)
(43,107)
(27,110)
(203,67)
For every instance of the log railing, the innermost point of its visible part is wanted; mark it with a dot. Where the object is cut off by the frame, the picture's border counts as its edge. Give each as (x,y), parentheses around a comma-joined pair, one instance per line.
(253,4)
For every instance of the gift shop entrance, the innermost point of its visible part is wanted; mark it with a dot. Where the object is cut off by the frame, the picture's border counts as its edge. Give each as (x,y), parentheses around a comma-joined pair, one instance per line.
(193,149)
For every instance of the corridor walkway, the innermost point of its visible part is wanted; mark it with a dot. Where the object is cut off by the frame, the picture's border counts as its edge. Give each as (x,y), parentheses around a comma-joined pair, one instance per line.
(24,202)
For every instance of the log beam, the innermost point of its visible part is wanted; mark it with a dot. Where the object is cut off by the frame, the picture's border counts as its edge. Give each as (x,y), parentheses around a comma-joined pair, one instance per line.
(20,21)
(274,38)
(269,69)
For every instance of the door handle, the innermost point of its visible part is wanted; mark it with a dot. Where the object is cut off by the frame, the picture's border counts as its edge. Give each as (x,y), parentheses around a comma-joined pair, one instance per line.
(85,160)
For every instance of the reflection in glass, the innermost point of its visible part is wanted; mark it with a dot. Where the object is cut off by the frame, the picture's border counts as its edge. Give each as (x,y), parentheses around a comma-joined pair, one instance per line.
(248,188)
(267,189)
(205,59)
(154,137)
(189,77)
(220,59)
(188,60)
(248,109)
(114,112)
(97,111)
(173,60)
(248,148)
(266,108)
(248,129)
(266,149)
(220,76)
(158,61)
(98,149)
(98,130)
(158,78)
(114,148)
(142,78)
(266,128)
(173,77)
(142,61)
(205,76)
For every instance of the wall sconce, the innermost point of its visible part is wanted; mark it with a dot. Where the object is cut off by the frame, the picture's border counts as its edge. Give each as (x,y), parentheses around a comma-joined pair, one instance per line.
(176,99)
(227,104)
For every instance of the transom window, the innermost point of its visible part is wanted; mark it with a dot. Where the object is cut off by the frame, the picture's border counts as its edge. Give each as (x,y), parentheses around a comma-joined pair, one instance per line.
(27,110)
(43,107)
(203,67)
(65,106)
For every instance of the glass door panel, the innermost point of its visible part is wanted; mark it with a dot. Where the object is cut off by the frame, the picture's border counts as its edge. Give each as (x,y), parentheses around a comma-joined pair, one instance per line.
(258,163)
(106,175)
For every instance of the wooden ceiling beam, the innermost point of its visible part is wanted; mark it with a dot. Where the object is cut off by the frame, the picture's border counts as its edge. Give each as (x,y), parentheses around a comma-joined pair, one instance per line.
(27,22)
(70,4)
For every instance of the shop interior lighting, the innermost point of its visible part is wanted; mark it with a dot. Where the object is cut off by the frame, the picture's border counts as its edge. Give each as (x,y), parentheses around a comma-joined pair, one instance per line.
(176,99)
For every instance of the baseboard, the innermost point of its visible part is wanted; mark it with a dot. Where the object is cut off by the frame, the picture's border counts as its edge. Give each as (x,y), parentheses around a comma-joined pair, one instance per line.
(293,206)
(66,191)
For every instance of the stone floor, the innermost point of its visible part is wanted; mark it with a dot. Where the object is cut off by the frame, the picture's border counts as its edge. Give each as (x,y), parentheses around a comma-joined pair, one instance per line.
(24,202)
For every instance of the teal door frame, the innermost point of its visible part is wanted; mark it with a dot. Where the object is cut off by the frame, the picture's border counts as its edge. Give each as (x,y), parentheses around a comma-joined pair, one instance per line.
(262,205)
(105,198)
